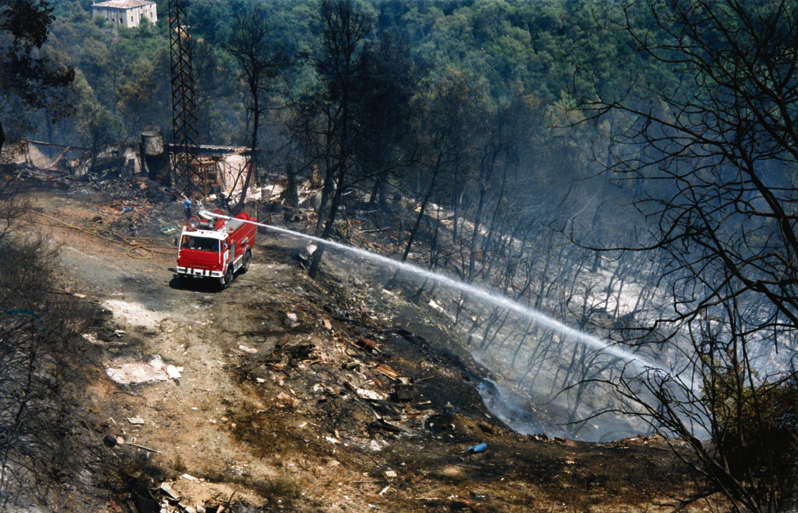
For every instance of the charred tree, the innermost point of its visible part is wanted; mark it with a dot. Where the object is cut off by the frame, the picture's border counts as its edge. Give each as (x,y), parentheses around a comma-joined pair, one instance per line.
(714,152)
(261,59)
(331,113)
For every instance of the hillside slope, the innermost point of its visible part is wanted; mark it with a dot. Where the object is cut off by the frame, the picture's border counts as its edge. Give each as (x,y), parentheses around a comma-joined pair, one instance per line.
(276,407)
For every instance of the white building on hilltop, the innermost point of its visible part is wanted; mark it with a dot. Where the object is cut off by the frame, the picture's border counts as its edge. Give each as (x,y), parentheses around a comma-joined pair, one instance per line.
(127,13)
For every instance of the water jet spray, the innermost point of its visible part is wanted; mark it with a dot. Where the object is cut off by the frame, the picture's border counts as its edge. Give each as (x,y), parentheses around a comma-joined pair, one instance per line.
(641,364)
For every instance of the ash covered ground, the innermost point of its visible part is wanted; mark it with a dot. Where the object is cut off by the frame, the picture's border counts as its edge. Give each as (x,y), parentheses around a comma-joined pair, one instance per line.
(259,398)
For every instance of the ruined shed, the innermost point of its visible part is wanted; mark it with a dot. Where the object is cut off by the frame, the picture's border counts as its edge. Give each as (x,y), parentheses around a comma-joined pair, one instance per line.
(217,169)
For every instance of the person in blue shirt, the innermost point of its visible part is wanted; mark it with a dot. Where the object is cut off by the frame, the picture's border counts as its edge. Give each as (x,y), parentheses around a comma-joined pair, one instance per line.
(187,207)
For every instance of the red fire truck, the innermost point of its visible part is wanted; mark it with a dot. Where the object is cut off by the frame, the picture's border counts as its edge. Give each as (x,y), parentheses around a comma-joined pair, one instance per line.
(214,246)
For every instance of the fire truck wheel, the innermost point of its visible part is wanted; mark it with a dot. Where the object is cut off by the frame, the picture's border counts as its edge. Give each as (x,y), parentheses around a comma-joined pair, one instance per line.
(228,277)
(245,263)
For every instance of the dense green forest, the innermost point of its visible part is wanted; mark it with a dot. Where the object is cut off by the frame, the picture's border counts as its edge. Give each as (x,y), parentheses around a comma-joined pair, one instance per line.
(501,48)
(496,52)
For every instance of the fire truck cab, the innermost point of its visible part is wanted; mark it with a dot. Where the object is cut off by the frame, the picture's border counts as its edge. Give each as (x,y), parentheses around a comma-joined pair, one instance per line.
(215,247)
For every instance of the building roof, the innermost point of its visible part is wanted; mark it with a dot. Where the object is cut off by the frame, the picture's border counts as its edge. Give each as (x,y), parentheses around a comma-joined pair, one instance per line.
(210,150)
(123,4)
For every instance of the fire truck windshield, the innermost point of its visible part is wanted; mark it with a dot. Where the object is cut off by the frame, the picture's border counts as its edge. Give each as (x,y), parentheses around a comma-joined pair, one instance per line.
(200,243)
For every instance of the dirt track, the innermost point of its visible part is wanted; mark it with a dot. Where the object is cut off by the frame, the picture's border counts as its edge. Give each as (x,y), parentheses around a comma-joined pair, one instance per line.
(275,408)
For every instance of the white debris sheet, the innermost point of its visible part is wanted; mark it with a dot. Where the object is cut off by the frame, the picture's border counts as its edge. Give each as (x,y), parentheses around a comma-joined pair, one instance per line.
(127,373)
(135,314)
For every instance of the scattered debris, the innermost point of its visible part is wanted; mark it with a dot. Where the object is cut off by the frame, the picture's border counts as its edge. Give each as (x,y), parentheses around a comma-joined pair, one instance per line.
(107,335)
(287,400)
(404,388)
(169,491)
(478,448)
(91,338)
(370,394)
(366,343)
(291,320)
(338,314)
(173,372)
(384,424)
(458,504)
(435,305)
(142,447)
(112,441)
(388,371)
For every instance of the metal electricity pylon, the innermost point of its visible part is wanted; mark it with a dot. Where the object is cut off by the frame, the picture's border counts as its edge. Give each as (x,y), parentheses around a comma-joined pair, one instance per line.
(184,107)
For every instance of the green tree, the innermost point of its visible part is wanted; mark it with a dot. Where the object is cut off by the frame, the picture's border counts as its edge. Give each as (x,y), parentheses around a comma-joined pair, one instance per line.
(143,95)
(218,104)
(27,79)
(95,124)
(389,82)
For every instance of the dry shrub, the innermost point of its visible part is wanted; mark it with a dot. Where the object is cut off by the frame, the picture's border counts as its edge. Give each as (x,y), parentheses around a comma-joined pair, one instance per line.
(756,435)
(276,487)
(46,454)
